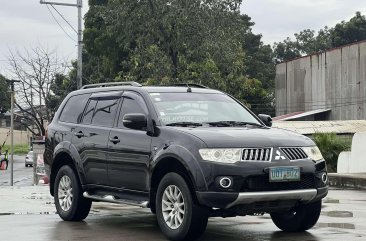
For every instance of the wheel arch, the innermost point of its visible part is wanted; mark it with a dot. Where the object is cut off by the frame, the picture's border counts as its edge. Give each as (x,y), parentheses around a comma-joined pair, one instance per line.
(64,156)
(170,162)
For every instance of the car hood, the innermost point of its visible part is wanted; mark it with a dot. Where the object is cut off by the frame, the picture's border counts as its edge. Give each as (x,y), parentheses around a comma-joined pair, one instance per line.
(238,137)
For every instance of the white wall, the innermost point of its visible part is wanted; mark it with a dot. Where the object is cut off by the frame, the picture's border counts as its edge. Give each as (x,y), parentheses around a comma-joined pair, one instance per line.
(355,160)
(20,137)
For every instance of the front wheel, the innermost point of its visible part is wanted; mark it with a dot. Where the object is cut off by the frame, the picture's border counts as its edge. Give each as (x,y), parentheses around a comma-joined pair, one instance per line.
(300,219)
(69,200)
(178,216)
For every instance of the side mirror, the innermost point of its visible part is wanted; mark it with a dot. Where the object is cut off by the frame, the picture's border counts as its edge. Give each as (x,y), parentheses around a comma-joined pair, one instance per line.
(266,119)
(135,121)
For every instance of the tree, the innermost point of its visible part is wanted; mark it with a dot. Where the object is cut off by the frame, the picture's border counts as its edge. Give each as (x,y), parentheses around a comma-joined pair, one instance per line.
(331,146)
(349,32)
(163,42)
(4,95)
(37,69)
(307,42)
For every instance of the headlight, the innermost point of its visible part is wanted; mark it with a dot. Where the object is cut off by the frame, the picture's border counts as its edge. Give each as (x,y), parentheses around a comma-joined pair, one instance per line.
(313,152)
(221,155)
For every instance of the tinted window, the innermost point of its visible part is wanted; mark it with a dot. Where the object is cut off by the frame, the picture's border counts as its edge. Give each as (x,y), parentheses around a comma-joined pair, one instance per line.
(105,112)
(74,108)
(88,115)
(130,106)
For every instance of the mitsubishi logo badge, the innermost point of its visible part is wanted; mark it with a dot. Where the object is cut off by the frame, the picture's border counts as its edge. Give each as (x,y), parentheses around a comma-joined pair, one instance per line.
(279,156)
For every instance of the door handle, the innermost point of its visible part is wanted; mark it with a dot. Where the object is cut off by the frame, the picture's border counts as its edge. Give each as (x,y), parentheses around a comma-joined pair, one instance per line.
(115,140)
(79,134)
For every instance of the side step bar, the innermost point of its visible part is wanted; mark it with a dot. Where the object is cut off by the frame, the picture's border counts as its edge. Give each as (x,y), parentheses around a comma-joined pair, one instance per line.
(112,199)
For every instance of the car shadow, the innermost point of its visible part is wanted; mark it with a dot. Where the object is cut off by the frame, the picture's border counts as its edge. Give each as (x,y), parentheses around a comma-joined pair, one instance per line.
(142,225)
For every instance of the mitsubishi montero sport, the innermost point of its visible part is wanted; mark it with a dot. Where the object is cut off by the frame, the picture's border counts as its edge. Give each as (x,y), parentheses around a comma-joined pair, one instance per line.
(186,152)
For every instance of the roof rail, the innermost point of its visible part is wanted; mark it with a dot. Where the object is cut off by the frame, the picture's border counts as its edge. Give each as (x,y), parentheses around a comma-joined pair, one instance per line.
(190,85)
(108,84)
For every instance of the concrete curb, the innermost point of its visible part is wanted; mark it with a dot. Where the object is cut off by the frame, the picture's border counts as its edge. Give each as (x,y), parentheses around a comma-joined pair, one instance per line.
(348,181)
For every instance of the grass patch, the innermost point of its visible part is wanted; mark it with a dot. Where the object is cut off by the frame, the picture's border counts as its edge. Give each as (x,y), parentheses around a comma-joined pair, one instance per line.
(18,149)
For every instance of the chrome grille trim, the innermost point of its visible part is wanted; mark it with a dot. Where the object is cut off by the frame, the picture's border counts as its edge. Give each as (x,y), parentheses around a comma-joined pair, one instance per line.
(294,153)
(257,154)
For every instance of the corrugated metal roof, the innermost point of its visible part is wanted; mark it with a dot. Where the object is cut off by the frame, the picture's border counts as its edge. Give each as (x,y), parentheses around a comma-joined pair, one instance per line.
(297,115)
(311,127)
(282,117)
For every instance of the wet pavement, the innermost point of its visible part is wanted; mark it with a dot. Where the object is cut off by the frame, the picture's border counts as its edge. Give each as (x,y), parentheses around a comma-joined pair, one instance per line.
(28,213)
(23,176)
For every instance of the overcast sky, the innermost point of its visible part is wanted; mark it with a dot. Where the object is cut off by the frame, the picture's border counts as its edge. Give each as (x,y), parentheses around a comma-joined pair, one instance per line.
(26,23)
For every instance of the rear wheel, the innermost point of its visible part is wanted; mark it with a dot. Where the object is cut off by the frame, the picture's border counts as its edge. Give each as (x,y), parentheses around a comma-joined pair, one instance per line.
(69,200)
(178,216)
(300,219)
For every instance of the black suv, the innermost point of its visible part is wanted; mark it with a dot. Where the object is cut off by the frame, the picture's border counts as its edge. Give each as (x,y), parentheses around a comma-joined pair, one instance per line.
(186,152)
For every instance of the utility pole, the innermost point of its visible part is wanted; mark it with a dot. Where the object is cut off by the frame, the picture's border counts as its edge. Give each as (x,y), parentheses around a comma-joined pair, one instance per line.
(79,5)
(12,130)
(80,46)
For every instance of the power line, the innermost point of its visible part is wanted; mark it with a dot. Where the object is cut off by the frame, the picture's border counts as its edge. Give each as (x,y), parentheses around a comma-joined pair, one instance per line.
(60,24)
(64,19)
(332,106)
(79,5)
(309,103)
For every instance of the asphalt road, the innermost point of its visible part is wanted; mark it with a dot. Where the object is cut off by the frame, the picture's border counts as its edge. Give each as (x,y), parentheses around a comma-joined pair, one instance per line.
(28,213)
(23,176)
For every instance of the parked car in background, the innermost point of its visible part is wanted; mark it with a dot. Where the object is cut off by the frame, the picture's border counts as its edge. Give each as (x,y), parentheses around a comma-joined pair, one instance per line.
(29,159)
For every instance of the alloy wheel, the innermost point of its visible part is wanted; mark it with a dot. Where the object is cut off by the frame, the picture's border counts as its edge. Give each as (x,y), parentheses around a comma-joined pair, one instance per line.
(173,207)
(65,194)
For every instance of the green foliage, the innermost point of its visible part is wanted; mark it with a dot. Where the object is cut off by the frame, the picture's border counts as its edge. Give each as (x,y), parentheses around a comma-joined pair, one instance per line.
(62,85)
(160,42)
(331,146)
(4,95)
(349,32)
(18,149)
(307,42)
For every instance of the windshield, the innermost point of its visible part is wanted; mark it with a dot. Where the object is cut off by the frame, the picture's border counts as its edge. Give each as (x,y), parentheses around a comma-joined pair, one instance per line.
(199,108)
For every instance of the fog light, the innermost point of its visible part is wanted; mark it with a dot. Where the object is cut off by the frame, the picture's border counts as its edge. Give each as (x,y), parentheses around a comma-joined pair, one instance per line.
(324,178)
(225,182)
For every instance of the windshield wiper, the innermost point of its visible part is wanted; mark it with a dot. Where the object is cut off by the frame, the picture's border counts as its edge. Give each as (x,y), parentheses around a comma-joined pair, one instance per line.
(233,123)
(184,124)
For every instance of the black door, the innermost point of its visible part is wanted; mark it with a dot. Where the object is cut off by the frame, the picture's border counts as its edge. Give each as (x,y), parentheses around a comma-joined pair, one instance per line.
(129,156)
(91,137)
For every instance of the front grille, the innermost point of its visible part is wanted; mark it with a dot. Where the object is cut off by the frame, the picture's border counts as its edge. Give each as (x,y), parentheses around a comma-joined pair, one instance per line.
(261,183)
(294,153)
(257,154)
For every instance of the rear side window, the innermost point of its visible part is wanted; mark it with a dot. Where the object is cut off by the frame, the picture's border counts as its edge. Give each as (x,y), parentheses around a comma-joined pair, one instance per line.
(73,109)
(105,112)
(89,112)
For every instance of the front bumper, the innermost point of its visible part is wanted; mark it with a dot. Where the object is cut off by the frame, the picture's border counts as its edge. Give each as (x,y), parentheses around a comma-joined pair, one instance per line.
(228,200)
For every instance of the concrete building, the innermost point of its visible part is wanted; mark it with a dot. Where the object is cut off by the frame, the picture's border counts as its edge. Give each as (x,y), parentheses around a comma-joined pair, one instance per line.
(324,86)
(344,129)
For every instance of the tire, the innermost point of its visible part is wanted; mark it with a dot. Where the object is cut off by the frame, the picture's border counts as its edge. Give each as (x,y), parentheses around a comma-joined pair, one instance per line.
(153,209)
(26,165)
(78,207)
(300,219)
(191,219)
